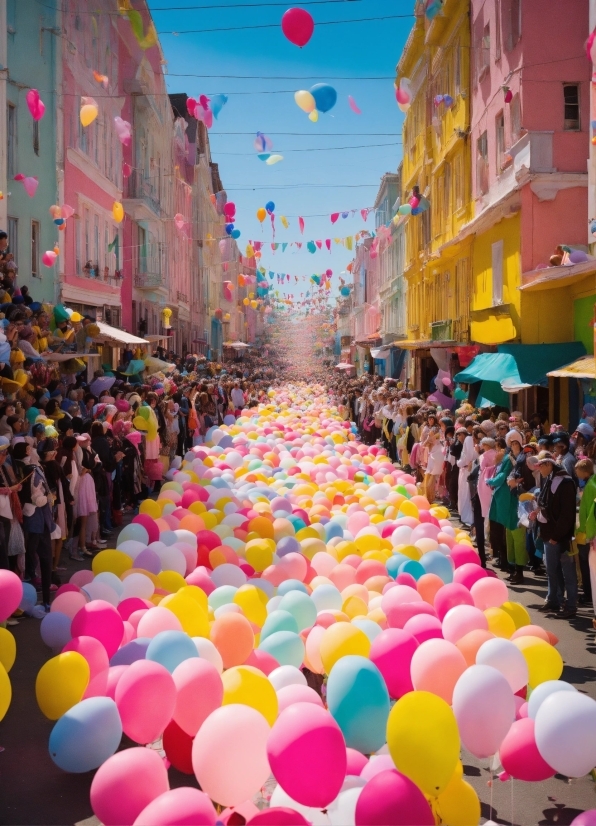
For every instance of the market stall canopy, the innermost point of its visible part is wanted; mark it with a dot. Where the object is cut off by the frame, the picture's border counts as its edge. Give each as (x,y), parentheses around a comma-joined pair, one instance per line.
(118,338)
(583,368)
(516,367)
(343,365)
(153,337)
(236,345)
(381,352)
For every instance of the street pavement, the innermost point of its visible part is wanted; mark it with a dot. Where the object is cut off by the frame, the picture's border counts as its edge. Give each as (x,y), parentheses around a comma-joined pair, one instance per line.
(34,791)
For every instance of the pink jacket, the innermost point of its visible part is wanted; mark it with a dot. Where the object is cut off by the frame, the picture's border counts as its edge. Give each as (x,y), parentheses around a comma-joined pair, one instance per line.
(487,471)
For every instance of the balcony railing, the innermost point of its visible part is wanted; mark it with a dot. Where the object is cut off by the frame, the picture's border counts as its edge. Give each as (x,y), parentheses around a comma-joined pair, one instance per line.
(144,189)
(441,331)
(149,280)
(105,275)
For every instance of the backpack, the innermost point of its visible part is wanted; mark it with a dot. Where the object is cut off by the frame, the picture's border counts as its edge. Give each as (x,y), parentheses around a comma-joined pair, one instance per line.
(410,440)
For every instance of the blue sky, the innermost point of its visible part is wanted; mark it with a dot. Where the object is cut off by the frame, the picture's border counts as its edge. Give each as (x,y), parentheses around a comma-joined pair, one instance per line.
(268,71)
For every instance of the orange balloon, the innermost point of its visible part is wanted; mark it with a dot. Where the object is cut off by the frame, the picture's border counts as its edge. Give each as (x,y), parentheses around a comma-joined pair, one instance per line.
(533,631)
(428,585)
(261,526)
(221,555)
(471,642)
(191,522)
(234,638)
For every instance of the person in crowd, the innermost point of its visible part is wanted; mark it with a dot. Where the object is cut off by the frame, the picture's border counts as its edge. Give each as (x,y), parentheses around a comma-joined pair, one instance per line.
(464,463)
(586,529)
(86,507)
(563,455)
(62,513)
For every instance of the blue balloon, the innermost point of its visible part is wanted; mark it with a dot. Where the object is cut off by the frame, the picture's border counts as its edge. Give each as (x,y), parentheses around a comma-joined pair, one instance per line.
(393,564)
(29,597)
(229,229)
(325,96)
(262,585)
(55,629)
(333,529)
(286,647)
(133,531)
(327,598)
(435,563)
(278,621)
(301,607)
(86,736)
(370,628)
(358,700)
(230,419)
(291,585)
(131,652)
(236,233)
(270,207)
(412,567)
(416,211)
(170,648)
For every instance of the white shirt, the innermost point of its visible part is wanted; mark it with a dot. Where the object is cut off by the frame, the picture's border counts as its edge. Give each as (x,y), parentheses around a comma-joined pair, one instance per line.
(237,397)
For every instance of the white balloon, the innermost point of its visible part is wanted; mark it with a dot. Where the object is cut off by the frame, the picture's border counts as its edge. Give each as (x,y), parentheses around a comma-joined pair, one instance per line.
(207,651)
(342,811)
(111,580)
(131,547)
(484,708)
(507,658)
(544,690)
(565,732)
(137,585)
(314,816)
(172,559)
(286,675)
(99,590)
(228,574)
(228,608)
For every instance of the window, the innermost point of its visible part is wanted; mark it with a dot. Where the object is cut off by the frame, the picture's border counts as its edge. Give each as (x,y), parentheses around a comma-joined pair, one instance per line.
(516,119)
(514,22)
(13,238)
(457,68)
(485,50)
(96,249)
(11,140)
(500,140)
(497,268)
(35,239)
(571,106)
(497,29)
(458,181)
(36,137)
(482,164)
(78,248)
(87,228)
(142,249)
(447,190)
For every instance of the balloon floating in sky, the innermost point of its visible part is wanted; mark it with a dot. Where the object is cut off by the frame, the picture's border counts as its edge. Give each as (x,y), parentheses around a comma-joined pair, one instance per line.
(89,111)
(298,26)
(117,211)
(29,182)
(262,143)
(48,259)
(354,106)
(325,96)
(123,130)
(270,207)
(99,78)
(403,94)
(261,214)
(270,159)
(35,104)
(305,101)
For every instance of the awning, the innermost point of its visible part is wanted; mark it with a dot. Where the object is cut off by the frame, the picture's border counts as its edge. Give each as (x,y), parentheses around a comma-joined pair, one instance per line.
(583,368)
(155,337)
(67,356)
(381,352)
(236,345)
(516,367)
(119,338)
(344,366)
(420,344)
(553,278)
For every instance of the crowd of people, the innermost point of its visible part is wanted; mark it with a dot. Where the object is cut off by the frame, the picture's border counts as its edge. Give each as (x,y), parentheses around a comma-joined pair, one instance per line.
(525,489)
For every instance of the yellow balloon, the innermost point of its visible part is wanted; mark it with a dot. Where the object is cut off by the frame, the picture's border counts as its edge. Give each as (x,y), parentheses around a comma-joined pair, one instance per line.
(114,562)
(544,661)
(250,687)
(250,599)
(500,623)
(458,805)
(354,606)
(193,618)
(197,594)
(150,507)
(518,613)
(259,555)
(305,101)
(342,639)
(8,649)
(88,113)
(171,581)
(261,214)
(423,740)
(61,683)
(5,691)
(117,211)
(314,116)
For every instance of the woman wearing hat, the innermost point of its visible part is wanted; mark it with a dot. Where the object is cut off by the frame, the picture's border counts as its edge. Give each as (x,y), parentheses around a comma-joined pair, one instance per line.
(86,497)
(63,499)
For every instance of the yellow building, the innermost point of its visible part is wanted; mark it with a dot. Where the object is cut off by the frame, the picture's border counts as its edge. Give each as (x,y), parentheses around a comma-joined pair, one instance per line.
(437,165)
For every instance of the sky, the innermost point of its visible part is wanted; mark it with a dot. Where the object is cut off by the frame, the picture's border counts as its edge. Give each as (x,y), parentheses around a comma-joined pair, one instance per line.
(334,165)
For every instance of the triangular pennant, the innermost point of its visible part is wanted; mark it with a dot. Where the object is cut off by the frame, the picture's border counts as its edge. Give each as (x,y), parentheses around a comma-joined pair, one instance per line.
(334,217)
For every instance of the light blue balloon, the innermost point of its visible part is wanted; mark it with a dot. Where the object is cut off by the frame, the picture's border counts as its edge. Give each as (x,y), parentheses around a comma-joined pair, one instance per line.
(325,96)
(29,597)
(133,531)
(55,629)
(333,529)
(394,562)
(131,652)
(358,700)
(285,646)
(291,585)
(435,563)
(221,596)
(86,736)
(301,607)
(110,579)
(225,441)
(287,545)
(278,621)
(412,567)
(168,537)
(370,628)
(170,648)
(263,585)
(327,598)
(230,419)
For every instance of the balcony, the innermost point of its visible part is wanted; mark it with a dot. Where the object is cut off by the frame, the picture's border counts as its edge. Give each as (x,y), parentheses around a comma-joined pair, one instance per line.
(105,276)
(142,201)
(149,281)
(441,331)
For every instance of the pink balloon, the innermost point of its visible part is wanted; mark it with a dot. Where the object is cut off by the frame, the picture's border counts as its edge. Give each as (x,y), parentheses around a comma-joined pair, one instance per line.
(199,692)
(292,694)
(95,654)
(463,554)
(399,595)
(146,699)
(489,593)
(260,659)
(123,130)
(449,596)
(81,578)
(307,754)
(531,631)
(125,784)
(229,754)
(391,799)
(30,184)
(11,593)
(392,652)
(520,756)
(129,606)
(436,666)
(115,672)
(179,807)
(462,619)
(293,566)
(587,818)
(149,524)
(405,579)
(65,589)
(101,620)
(35,104)
(278,816)
(424,627)
(468,573)
(69,603)
(356,762)
(156,620)
(398,615)
(200,578)
(484,708)
(378,764)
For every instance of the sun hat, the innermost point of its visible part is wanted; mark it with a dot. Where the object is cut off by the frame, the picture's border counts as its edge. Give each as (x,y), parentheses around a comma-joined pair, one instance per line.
(544,457)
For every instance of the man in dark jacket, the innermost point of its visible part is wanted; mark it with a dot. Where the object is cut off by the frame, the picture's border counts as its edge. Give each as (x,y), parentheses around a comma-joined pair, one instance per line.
(556,520)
